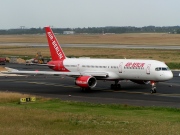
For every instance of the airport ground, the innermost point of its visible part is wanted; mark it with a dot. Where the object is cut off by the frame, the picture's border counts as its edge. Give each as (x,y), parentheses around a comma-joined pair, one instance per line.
(56,117)
(101,51)
(168,52)
(129,46)
(168,94)
(62,108)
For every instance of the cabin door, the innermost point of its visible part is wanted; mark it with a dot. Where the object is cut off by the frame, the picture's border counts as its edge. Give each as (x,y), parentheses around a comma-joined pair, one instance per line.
(78,67)
(120,67)
(148,69)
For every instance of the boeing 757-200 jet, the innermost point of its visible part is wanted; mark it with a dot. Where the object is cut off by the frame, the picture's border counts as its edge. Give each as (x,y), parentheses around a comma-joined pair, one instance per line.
(87,71)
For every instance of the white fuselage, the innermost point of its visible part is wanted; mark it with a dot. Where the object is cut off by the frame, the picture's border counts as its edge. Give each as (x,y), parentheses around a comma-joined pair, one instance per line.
(129,69)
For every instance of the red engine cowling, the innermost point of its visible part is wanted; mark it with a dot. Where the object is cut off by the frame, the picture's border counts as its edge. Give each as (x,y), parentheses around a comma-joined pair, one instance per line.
(86,81)
(140,81)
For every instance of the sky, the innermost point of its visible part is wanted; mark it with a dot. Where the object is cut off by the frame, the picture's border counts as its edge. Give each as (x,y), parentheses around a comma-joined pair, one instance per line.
(88,13)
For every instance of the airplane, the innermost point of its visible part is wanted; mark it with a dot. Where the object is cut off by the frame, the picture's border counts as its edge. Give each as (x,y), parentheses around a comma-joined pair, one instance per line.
(87,71)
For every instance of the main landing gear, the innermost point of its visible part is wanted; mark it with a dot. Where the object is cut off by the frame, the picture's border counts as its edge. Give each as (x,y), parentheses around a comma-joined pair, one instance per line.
(85,89)
(116,86)
(153,89)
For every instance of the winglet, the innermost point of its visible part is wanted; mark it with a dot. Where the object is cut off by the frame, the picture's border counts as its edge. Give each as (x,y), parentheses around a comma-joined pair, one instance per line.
(55,48)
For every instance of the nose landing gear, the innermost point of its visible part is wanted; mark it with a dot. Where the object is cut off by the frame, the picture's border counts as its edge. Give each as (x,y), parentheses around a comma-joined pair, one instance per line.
(153,89)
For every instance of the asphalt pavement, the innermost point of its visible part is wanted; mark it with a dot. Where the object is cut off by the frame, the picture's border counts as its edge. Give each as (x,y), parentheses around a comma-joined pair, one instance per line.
(168,93)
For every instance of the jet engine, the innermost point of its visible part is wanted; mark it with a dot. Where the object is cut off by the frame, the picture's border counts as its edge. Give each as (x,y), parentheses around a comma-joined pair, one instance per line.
(140,81)
(86,81)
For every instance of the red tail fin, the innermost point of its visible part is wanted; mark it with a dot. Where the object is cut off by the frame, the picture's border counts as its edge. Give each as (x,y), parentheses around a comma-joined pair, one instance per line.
(55,48)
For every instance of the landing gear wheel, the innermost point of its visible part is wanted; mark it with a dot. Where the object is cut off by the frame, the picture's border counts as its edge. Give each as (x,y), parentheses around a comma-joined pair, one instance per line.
(115,86)
(153,90)
(85,89)
(118,87)
(112,86)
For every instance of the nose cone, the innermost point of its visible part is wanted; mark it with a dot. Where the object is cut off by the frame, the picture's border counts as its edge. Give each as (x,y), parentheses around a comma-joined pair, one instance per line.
(168,75)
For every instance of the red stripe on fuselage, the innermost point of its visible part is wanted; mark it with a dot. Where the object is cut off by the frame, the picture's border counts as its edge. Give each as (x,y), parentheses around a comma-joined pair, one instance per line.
(59,66)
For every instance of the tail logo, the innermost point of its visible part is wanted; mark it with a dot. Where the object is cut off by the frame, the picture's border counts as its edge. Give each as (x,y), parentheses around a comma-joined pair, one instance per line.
(55,45)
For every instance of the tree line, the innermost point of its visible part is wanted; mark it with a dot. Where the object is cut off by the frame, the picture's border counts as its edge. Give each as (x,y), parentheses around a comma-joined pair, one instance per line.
(97,30)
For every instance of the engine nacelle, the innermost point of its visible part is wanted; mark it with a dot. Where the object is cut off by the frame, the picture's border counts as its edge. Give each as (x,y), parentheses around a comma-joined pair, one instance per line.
(140,81)
(86,81)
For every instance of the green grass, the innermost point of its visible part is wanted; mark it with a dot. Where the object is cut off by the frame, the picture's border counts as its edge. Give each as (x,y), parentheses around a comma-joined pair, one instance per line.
(173,65)
(53,116)
(171,57)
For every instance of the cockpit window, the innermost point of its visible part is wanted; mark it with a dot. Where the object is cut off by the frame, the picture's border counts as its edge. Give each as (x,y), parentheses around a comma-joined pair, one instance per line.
(166,68)
(162,69)
(158,69)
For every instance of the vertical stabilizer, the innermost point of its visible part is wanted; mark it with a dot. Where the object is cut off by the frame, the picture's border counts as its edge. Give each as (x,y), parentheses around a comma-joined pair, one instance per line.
(55,48)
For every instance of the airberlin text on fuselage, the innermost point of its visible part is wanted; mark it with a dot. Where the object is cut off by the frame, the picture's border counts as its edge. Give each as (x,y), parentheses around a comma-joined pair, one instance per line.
(135,64)
(56,47)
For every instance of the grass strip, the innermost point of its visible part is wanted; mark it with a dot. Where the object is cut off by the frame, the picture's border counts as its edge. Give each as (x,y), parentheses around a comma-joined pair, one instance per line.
(53,116)
(170,57)
(122,39)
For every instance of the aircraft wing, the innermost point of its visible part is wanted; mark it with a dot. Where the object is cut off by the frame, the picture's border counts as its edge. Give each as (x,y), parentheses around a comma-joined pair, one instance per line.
(72,74)
(96,74)
(49,65)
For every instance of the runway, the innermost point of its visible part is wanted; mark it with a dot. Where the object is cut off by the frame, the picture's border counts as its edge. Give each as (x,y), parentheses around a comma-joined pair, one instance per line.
(173,47)
(168,93)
